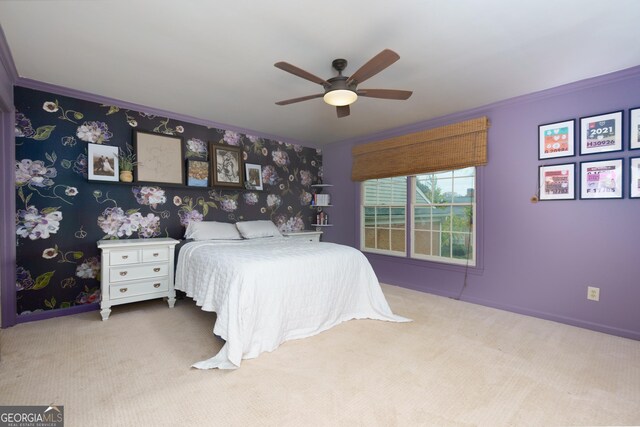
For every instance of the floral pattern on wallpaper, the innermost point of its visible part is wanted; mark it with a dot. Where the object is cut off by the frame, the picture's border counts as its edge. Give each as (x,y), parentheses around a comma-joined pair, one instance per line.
(60,215)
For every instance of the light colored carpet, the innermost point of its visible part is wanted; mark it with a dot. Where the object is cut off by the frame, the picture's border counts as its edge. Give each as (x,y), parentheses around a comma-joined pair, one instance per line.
(457,364)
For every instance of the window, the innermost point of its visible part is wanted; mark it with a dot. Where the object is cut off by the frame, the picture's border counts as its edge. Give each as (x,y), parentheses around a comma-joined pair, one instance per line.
(441,223)
(384,215)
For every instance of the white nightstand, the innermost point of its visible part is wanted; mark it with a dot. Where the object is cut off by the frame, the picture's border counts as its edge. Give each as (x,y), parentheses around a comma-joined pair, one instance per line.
(136,270)
(306,235)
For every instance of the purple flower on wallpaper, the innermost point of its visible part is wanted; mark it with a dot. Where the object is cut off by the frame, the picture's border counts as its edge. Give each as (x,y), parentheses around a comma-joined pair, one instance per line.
(89,269)
(24,281)
(149,226)
(177,200)
(250,198)
(285,224)
(34,172)
(297,148)
(273,201)
(116,223)
(150,196)
(80,166)
(269,175)
(196,148)
(305,198)
(228,204)
(36,224)
(94,132)
(319,151)
(189,216)
(305,178)
(87,296)
(231,138)
(71,191)
(280,158)
(253,139)
(23,126)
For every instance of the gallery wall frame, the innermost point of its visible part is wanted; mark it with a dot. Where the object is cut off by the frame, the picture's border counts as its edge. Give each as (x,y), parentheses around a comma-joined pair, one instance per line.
(159,157)
(634,128)
(601,133)
(226,166)
(634,178)
(103,163)
(557,139)
(602,179)
(253,176)
(557,182)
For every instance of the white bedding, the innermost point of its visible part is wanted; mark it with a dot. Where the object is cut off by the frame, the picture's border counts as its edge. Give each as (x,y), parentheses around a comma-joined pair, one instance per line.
(268,291)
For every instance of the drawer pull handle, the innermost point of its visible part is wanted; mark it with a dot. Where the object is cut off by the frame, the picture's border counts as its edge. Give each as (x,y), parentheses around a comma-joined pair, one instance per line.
(123,290)
(156,269)
(156,254)
(156,285)
(125,256)
(123,273)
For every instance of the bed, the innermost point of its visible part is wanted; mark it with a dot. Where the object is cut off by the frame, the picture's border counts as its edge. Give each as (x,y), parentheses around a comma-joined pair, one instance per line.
(266,291)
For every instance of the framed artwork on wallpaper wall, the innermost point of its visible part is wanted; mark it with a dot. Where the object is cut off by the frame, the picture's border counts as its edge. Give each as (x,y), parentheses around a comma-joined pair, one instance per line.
(253,176)
(601,133)
(556,140)
(602,179)
(634,128)
(159,157)
(197,173)
(634,174)
(103,162)
(557,182)
(226,165)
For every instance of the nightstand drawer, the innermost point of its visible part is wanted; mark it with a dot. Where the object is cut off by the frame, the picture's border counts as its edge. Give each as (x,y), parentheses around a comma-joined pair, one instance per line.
(124,257)
(120,274)
(155,254)
(140,288)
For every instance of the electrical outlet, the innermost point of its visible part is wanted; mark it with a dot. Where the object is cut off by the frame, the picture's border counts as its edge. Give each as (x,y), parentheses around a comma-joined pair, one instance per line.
(593,293)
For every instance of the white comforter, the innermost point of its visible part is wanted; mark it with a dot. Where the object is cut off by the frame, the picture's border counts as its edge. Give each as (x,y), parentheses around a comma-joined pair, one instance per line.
(268,291)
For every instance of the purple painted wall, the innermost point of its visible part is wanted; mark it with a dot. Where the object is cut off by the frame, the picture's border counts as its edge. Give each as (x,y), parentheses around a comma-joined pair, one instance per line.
(537,259)
(8,76)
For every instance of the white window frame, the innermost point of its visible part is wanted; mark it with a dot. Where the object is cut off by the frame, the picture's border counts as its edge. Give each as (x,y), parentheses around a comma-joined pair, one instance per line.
(390,252)
(474,236)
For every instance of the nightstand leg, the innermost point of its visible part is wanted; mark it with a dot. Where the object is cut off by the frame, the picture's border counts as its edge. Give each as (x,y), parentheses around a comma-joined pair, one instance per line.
(105,312)
(171,299)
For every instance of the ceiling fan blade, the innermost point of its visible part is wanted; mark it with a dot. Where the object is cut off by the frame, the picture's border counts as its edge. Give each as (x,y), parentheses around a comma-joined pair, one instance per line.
(374,66)
(302,98)
(343,111)
(385,93)
(285,66)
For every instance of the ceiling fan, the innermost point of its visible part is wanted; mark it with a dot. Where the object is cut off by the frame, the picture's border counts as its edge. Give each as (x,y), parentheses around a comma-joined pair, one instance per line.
(341,91)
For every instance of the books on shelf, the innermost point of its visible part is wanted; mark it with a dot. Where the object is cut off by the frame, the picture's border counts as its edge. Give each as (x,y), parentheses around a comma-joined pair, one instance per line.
(321,200)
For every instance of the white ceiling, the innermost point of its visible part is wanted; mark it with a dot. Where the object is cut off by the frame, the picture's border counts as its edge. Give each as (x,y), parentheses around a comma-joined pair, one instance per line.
(213,60)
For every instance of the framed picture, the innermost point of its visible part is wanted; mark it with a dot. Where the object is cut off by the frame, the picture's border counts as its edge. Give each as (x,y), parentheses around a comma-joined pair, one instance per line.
(557,182)
(226,165)
(103,162)
(634,128)
(197,173)
(557,140)
(159,157)
(634,173)
(601,179)
(602,133)
(253,176)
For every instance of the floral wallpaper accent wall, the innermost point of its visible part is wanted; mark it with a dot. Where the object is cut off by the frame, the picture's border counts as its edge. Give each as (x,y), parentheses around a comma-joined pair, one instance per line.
(61,215)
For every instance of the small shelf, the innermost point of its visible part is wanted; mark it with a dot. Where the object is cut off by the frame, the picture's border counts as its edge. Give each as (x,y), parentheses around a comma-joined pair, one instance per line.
(320,206)
(322,225)
(321,185)
(170,185)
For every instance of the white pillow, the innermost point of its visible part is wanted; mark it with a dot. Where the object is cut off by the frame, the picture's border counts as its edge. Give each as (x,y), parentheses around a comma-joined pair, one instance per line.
(254,229)
(211,230)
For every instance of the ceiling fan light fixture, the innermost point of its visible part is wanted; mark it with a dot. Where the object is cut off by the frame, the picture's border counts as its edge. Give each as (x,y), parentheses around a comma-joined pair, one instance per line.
(340,97)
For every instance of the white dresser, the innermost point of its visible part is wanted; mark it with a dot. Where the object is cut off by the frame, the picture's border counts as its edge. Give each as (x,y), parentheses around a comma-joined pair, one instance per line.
(307,235)
(136,270)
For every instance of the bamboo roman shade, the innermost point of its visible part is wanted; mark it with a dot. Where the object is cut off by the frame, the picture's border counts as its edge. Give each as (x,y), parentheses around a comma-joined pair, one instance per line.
(448,147)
